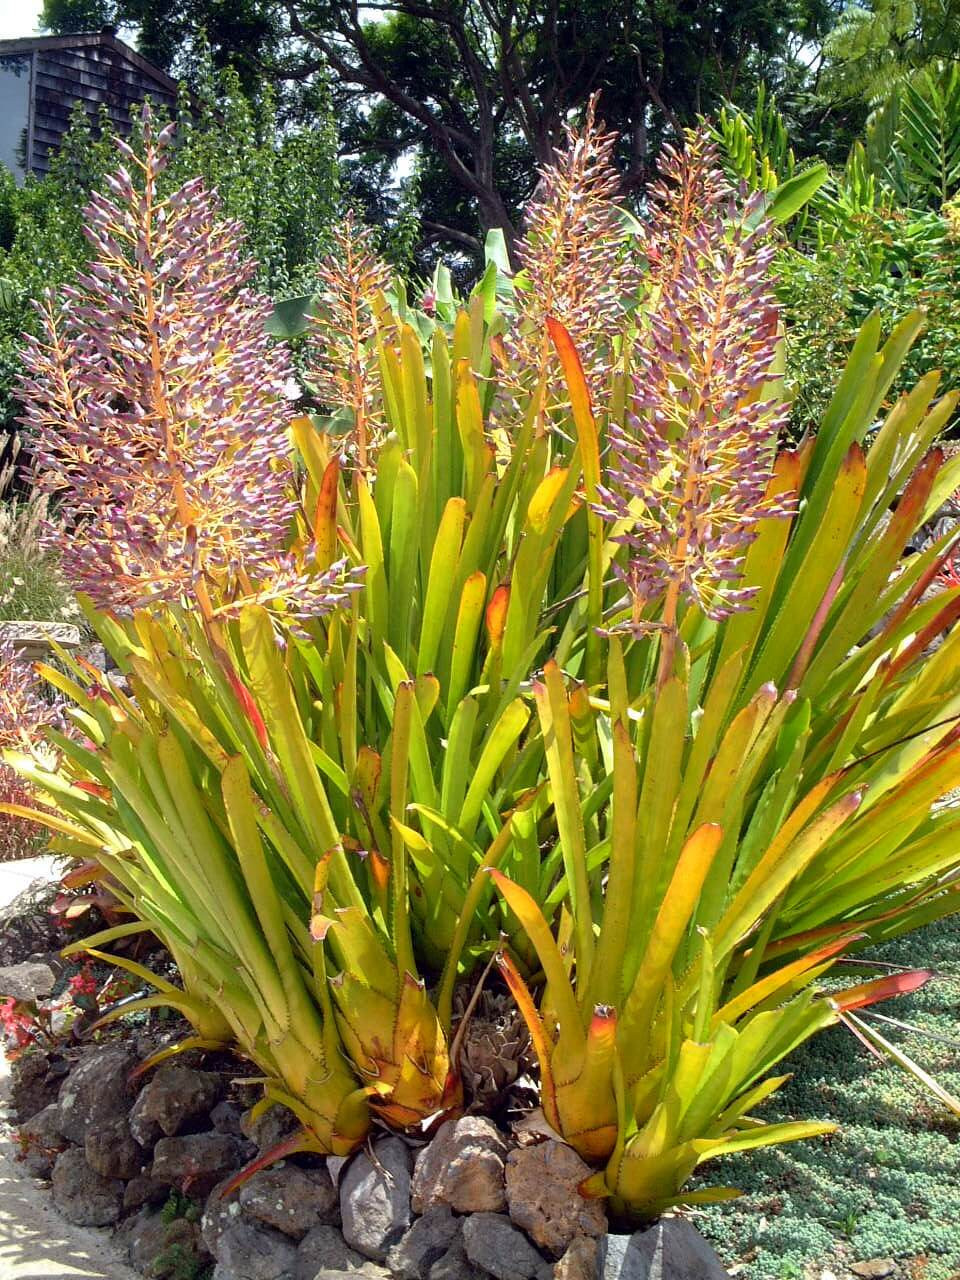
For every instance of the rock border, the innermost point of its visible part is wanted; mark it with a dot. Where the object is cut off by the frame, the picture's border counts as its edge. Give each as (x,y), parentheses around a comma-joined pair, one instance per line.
(31,1229)
(150,1158)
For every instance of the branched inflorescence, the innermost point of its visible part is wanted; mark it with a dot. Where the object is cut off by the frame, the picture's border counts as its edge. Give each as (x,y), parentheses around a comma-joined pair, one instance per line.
(575,256)
(155,399)
(344,372)
(688,476)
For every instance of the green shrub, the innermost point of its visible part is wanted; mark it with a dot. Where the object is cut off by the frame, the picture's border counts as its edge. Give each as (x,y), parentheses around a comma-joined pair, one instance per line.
(891,261)
(880,236)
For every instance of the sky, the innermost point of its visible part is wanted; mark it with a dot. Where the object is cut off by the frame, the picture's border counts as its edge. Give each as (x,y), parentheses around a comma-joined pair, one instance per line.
(19,17)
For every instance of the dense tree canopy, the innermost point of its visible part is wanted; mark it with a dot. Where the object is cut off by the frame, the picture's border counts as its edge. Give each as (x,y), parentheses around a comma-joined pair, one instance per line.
(483,87)
(475,93)
(876,45)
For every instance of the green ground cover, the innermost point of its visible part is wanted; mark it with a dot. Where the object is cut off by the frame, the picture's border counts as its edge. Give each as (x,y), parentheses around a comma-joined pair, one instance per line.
(888,1184)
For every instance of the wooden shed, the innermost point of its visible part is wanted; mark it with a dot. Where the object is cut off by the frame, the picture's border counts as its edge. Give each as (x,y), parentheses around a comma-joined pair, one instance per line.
(41,77)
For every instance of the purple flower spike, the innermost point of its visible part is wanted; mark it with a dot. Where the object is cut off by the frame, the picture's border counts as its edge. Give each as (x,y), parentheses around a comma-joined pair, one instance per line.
(345,360)
(157,403)
(576,257)
(687,476)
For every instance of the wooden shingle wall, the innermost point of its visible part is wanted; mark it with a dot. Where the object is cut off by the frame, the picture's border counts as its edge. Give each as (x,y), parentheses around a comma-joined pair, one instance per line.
(96,70)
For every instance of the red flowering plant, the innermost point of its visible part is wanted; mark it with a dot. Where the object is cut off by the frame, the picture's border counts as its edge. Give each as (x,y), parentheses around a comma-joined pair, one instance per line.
(19,1028)
(46,1020)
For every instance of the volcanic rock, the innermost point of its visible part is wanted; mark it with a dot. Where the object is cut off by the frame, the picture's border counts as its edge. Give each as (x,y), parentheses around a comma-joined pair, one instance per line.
(82,1196)
(543,1198)
(462,1167)
(375,1198)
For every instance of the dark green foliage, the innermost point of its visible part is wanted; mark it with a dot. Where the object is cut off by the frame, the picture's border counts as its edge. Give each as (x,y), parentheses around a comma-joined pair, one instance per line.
(913,144)
(888,1184)
(483,90)
(878,45)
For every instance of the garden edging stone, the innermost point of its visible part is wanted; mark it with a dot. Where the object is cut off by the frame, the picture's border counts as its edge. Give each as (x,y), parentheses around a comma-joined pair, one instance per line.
(304,1219)
(672,1249)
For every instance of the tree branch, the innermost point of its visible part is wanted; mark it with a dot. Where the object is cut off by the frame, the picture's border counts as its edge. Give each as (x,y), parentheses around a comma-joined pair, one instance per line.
(438,231)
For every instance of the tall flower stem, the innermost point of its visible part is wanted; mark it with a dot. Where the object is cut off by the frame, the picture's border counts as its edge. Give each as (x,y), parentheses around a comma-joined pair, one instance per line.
(688,471)
(156,398)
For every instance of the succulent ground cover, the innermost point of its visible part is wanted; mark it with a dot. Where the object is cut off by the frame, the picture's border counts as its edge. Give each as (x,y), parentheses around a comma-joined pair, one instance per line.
(887,1184)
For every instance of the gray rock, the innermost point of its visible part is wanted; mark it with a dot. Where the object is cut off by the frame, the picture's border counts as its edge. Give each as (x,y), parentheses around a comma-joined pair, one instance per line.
(462,1167)
(375,1198)
(874,1268)
(96,1092)
(225,1118)
(455,1265)
(292,1200)
(219,1212)
(324,1249)
(195,1162)
(492,1242)
(671,1250)
(173,1097)
(143,1190)
(581,1261)
(35,1079)
(543,1198)
(269,1129)
(41,1142)
(111,1150)
(82,1196)
(427,1241)
(28,981)
(128,1226)
(249,1251)
(159,1248)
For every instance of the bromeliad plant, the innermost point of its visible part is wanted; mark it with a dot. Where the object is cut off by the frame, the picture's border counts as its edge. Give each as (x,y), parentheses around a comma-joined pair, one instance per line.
(751,795)
(571,667)
(159,405)
(377,768)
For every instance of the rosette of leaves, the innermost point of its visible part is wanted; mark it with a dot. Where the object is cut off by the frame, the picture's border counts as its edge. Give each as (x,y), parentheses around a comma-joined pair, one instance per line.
(720,782)
(751,795)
